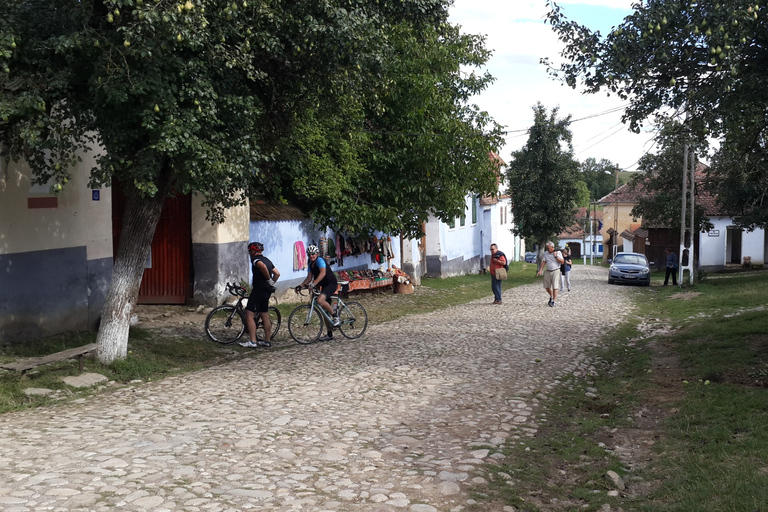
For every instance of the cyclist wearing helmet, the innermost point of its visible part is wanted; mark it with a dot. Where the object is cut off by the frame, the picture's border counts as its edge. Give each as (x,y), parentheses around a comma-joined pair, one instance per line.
(264,276)
(321,276)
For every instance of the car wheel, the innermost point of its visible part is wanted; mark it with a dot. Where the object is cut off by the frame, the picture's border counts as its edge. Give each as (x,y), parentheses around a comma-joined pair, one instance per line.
(610,281)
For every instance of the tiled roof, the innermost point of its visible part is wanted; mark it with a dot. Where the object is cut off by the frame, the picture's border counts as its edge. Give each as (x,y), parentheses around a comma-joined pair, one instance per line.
(709,201)
(628,235)
(261,211)
(573,231)
(576,230)
(593,214)
(623,194)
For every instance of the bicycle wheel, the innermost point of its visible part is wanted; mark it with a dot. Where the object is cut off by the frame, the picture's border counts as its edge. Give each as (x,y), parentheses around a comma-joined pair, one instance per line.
(225,324)
(275,318)
(305,324)
(354,320)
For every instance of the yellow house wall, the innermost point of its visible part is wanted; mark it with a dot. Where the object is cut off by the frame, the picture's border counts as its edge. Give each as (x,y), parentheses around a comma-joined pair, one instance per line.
(218,252)
(233,229)
(55,262)
(625,222)
(77,220)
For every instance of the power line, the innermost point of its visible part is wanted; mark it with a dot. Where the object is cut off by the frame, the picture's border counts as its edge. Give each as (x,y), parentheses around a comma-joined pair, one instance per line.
(591,116)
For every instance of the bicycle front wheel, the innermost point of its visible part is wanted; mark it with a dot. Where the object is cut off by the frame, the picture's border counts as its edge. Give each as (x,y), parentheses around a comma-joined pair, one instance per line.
(305,324)
(225,324)
(354,320)
(275,318)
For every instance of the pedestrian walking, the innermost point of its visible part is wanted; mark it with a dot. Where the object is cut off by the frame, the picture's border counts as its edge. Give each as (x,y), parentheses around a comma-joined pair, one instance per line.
(550,267)
(671,267)
(565,270)
(499,268)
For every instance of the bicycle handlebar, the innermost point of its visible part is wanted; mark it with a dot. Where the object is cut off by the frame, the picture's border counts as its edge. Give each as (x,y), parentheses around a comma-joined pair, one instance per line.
(237,290)
(311,291)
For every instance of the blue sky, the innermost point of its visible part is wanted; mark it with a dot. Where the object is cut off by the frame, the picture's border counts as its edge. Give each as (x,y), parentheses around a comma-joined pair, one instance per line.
(517,35)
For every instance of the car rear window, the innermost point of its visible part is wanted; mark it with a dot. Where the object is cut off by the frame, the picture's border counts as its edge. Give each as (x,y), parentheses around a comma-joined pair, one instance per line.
(631,259)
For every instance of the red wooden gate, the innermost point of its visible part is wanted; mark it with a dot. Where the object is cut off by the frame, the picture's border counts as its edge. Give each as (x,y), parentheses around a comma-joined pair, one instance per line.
(167,276)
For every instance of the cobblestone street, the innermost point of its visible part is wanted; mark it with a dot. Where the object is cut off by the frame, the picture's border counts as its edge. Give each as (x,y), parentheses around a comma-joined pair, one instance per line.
(399,420)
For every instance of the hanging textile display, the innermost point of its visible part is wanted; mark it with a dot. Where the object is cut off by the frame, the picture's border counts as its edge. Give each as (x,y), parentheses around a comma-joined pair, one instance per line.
(386,247)
(299,256)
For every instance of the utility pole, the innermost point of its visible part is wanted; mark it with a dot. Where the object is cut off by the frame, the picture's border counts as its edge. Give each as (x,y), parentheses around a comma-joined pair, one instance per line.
(689,186)
(616,215)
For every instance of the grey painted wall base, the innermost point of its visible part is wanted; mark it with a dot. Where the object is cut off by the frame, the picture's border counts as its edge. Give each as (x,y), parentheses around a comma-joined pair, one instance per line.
(214,265)
(48,292)
(438,266)
(414,270)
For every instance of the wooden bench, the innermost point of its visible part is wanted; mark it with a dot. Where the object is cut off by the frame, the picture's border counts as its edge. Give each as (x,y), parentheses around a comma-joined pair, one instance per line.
(72,353)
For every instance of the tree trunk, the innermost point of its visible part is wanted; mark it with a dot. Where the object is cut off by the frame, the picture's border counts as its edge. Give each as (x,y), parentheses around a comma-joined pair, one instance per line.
(139,223)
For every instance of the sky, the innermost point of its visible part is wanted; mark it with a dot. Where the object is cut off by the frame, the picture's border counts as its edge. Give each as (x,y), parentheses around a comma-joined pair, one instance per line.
(518,37)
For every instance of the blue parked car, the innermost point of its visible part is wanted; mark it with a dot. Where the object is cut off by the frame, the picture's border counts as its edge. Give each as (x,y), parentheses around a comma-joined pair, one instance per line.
(530,257)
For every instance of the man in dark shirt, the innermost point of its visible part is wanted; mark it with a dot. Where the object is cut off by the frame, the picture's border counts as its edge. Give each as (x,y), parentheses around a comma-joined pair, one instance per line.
(671,267)
(263,286)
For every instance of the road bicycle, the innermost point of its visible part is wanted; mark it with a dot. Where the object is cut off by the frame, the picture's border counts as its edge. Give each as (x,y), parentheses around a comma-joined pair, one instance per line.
(226,324)
(305,324)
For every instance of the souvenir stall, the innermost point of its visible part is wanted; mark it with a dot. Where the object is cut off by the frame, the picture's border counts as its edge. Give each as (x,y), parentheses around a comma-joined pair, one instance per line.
(336,250)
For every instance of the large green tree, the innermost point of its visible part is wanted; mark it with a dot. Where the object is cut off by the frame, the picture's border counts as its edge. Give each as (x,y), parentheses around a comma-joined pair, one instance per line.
(287,100)
(542,178)
(599,175)
(703,62)
(660,181)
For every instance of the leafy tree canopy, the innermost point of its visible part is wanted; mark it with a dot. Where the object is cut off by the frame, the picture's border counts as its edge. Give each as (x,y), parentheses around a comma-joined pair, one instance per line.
(702,61)
(542,178)
(288,100)
(599,177)
(660,179)
(581,194)
(356,110)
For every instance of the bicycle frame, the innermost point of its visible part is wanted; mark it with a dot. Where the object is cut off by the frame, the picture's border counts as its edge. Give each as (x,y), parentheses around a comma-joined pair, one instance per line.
(328,320)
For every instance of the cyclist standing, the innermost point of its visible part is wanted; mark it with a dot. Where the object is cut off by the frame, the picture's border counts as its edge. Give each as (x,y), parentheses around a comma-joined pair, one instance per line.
(320,275)
(264,276)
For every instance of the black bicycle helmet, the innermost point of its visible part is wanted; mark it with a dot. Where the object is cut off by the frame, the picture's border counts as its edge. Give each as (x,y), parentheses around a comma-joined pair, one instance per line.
(312,249)
(256,246)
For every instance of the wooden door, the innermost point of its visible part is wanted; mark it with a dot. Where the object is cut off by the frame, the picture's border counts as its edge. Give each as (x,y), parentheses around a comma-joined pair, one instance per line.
(167,274)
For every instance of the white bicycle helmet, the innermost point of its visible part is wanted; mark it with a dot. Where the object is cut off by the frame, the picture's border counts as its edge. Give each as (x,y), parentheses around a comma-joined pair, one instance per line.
(312,249)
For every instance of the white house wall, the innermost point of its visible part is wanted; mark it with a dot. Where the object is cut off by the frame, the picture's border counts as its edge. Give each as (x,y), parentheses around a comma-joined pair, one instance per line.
(466,249)
(411,260)
(454,251)
(753,246)
(713,245)
(279,238)
(512,246)
(55,257)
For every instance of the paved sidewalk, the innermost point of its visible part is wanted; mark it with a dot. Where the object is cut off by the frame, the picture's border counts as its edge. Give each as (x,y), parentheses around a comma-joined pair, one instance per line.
(399,420)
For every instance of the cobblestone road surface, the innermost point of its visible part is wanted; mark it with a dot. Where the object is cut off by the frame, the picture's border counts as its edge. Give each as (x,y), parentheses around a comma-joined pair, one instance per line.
(399,420)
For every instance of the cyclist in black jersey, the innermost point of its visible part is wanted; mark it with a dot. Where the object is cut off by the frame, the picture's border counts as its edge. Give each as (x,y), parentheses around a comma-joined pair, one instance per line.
(321,276)
(264,276)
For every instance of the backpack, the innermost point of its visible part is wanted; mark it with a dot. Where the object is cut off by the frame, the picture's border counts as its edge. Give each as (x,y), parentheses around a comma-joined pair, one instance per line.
(506,264)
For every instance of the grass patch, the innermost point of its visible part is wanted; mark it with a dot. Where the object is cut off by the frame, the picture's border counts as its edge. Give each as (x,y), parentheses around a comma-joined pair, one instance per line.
(150,357)
(690,404)
(563,466)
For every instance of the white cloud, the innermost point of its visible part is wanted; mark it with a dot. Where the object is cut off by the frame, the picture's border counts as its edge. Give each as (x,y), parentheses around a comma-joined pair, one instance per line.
(519,39)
